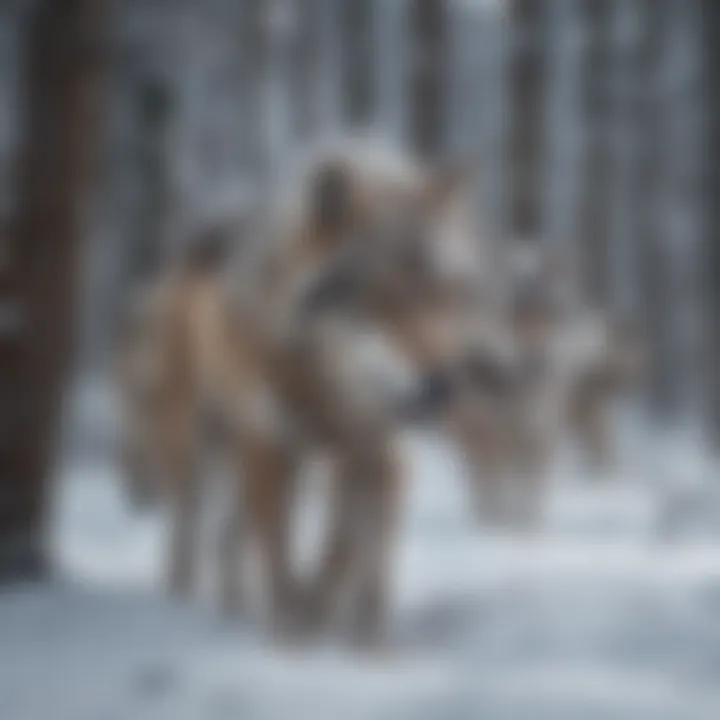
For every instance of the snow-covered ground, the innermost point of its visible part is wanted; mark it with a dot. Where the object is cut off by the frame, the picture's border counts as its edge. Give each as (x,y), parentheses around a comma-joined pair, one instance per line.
(600,617)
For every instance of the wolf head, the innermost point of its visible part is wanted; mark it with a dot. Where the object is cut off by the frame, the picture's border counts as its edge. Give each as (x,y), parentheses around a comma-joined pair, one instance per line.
(390,233)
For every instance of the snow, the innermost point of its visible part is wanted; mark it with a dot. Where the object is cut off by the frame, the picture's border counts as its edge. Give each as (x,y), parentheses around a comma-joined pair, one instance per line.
(596,617)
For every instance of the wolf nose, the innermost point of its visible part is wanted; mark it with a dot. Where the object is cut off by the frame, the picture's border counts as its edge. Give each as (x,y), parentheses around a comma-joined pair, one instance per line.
(435,392)
(330,292)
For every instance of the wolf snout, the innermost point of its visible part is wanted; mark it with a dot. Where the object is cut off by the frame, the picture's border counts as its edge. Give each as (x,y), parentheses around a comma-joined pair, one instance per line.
(331,292)
(430,398)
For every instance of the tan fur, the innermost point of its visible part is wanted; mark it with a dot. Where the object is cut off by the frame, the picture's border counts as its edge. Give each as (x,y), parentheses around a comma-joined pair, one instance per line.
(239,346)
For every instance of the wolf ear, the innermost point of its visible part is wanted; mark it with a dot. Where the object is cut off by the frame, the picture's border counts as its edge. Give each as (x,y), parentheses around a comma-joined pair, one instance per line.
(448,181)
(332,198)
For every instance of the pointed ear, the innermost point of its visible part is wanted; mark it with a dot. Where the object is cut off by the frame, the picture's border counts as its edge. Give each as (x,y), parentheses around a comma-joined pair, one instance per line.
(448,181)
(332,198)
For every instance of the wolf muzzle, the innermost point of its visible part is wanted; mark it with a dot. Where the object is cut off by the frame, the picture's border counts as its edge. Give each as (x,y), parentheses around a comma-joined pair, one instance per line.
(334,291)
(430,399)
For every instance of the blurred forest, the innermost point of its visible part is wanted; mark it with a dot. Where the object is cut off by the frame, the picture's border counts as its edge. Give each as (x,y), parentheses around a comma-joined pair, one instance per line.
(594,123)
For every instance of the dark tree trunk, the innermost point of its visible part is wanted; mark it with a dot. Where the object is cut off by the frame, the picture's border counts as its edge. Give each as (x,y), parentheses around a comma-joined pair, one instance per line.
(649,183)
(527,84)
(429,75)
(305,71)
(711,24)
(154,107)
(356,30)
(256,135)
(39,267)
(597,116)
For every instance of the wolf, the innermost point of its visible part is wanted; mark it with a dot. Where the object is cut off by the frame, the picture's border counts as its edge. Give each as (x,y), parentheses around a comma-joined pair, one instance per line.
(273,346)
(545,366)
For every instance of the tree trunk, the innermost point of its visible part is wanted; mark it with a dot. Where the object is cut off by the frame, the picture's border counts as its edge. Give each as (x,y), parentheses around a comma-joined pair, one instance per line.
(597,117)
(429,76)
(711,43)
(681,206)
(155,107)
(527,84)
(649,183)
(622,267)
(305,69)
(257,136)
(39,268)
(356,29)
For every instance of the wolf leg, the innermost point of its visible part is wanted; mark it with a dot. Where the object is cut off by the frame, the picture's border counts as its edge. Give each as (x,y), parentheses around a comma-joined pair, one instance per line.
(269,483)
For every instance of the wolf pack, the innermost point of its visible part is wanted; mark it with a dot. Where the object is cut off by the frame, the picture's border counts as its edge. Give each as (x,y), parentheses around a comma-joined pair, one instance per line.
(354,301)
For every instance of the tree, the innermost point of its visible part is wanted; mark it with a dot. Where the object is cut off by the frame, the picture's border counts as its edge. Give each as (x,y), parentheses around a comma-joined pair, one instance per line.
(711,45)
(254,35)
(526,87)
(305,68)
(429,75)
(597,116)
(649,183)
(154,114)
(59,124)
(356,30)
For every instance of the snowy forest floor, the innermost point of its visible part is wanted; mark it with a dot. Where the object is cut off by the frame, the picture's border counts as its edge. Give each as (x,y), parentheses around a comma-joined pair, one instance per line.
(612,613)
